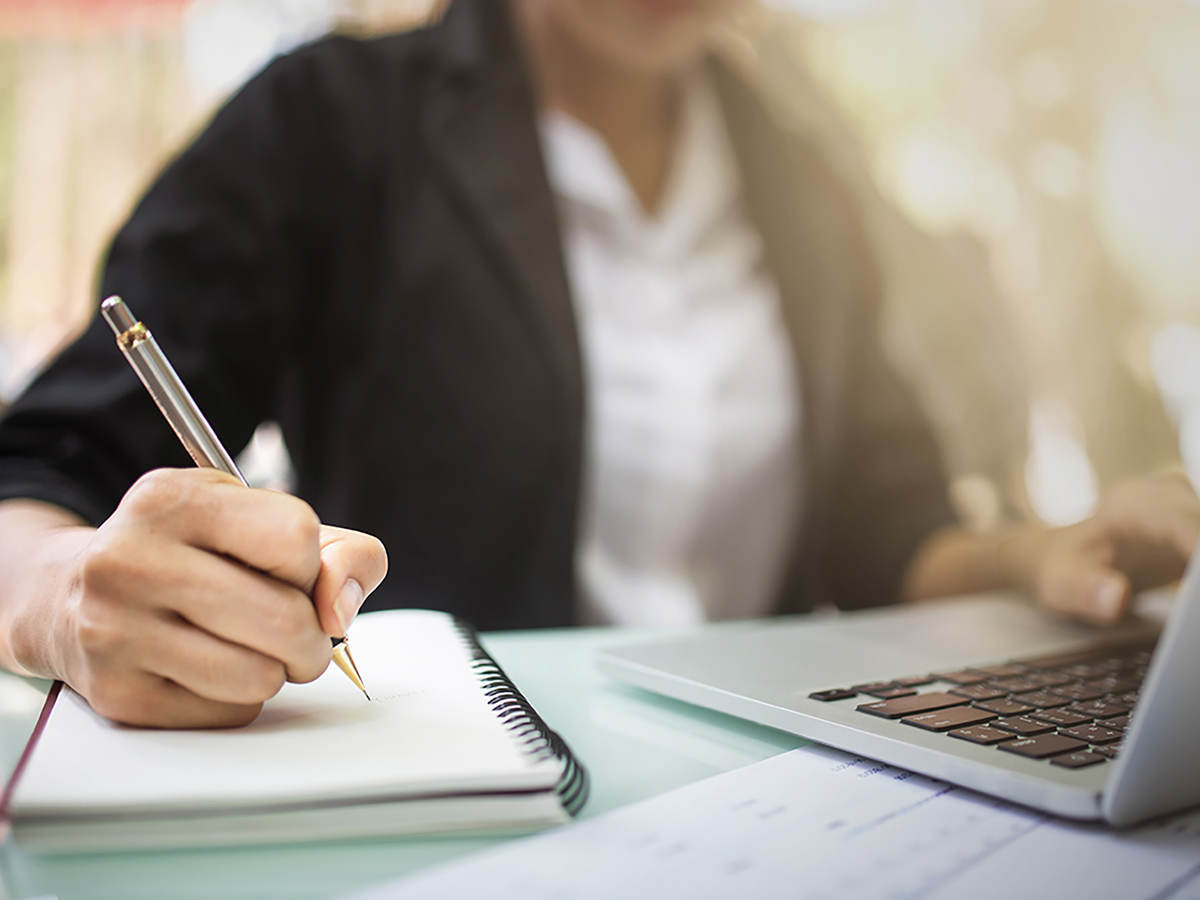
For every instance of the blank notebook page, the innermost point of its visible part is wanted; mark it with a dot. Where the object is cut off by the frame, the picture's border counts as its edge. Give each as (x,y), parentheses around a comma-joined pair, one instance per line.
(428,730)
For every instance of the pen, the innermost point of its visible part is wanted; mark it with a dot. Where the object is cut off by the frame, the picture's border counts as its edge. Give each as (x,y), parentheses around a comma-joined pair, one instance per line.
(184,416)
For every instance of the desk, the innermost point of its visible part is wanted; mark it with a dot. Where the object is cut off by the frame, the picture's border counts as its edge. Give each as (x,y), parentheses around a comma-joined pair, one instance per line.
(634,744)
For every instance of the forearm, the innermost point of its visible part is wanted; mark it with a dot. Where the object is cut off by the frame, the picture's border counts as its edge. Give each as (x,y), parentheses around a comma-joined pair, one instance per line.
(954,561)
(37,541)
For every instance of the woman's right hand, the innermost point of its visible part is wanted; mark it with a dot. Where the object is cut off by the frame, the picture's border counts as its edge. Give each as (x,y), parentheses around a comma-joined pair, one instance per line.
(192,604)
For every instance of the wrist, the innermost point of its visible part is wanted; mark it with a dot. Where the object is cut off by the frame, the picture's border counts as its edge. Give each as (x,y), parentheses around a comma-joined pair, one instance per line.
(1019,554)
(36,619)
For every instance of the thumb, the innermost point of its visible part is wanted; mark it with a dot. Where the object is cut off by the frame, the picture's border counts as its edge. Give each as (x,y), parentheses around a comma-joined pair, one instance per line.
(1086,589)
(352,566)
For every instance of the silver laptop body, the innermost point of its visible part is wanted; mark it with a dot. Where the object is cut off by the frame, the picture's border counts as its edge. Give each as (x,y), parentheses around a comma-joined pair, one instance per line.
(765,672)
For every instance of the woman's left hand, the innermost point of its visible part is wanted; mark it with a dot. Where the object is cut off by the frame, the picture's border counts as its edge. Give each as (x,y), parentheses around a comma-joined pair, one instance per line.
(1141,536)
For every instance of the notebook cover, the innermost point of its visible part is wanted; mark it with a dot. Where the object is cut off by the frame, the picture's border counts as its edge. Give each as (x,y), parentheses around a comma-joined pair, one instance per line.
(11,785)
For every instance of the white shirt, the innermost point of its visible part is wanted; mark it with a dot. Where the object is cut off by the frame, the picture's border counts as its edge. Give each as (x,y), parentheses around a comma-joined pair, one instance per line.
(692,450)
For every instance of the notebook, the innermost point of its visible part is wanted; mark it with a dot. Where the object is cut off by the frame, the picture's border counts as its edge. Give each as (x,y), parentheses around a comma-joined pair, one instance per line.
(447,743)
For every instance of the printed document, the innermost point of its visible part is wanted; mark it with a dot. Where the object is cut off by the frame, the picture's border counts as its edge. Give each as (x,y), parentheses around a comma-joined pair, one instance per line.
(818,823)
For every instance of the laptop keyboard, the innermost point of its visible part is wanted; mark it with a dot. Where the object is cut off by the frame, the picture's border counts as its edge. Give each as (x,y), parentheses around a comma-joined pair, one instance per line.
(1068,709)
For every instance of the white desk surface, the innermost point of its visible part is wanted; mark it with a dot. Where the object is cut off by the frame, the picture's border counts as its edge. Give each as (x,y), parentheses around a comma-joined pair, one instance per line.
(634,744)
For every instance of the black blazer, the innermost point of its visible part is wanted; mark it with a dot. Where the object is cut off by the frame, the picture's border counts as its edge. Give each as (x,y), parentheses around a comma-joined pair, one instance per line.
(363,246)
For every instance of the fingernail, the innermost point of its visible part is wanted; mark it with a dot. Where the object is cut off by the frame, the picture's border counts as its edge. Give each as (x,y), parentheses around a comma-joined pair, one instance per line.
(1107,602)
(348,602)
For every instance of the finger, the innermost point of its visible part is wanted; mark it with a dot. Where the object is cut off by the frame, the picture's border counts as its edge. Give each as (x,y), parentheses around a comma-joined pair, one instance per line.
(1183,532)
(248,608)
(148,701)
(1176,528)
(1086,589)
(352,565)
(270,531)
(216,595)
(1149,565)
(210,667)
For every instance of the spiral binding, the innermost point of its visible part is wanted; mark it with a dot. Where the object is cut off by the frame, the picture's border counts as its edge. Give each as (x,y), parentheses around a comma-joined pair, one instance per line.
(522,721)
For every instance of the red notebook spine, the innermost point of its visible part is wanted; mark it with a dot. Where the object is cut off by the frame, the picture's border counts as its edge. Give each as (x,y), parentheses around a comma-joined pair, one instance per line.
(11,786)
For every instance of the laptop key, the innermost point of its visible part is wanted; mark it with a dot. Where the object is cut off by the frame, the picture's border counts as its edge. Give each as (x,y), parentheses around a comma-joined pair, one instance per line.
(832,694)
(979,691)
(1042,699)
(1118,722)
(1004,670)
(1078,692)
(1061,717)
(1108,751)
(982,734)
(915,680)
(1042,746)
(1017,684)
(1005,707)
(1078,760)
(1058,660)
(1100,709)
(963,676)
(870,686)
(907,706)
(1089,670)
(1022,725)
(945,719)
(1049,679)
(894,691)
(1093,734)
(1116,685)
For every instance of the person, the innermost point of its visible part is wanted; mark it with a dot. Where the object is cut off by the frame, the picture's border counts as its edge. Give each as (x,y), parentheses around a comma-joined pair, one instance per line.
(545,298)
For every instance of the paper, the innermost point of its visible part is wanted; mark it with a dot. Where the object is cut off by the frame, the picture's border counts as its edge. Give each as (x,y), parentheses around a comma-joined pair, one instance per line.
(818,823)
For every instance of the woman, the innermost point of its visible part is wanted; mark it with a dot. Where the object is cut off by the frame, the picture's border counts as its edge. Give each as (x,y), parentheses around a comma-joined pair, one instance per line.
(543,298)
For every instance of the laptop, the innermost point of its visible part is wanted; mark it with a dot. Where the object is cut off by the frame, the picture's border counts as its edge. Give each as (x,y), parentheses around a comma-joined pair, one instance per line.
(990,693)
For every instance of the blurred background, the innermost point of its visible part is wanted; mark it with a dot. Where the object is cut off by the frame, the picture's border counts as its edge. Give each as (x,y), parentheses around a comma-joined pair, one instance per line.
(1030,169)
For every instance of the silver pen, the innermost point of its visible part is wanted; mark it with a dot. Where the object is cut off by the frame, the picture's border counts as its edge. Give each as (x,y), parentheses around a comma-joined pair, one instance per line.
(185,418)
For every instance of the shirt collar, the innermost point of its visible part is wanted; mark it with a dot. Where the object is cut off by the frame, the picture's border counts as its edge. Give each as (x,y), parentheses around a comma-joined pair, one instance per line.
(700,187)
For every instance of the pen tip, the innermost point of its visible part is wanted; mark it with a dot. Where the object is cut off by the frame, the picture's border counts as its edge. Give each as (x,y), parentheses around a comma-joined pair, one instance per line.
(345,662)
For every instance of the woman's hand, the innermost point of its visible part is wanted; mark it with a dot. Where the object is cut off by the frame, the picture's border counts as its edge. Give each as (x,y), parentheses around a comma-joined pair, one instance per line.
(194,602)
(1141,536)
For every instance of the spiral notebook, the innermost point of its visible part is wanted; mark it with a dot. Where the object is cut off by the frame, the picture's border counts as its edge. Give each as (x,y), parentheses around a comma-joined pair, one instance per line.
(447,743)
